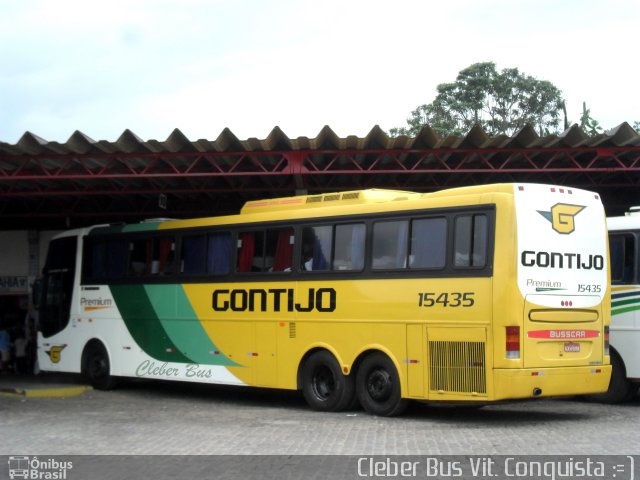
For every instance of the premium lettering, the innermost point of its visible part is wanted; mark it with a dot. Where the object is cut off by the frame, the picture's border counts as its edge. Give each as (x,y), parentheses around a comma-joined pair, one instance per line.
(577,261)
(95,302)
(274,299)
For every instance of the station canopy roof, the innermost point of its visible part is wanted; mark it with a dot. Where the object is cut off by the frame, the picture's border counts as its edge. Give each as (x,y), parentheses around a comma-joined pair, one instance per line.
(52,185)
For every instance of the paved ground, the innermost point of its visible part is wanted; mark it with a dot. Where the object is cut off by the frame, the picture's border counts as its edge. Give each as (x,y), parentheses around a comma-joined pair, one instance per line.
(159,418)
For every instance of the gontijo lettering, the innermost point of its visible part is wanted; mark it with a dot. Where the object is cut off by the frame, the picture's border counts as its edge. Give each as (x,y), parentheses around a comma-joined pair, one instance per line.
(530,258)
(273,299)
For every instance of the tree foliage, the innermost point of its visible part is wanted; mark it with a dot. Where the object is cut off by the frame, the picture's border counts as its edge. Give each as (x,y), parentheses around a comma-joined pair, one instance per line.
(500,102)
(589,124)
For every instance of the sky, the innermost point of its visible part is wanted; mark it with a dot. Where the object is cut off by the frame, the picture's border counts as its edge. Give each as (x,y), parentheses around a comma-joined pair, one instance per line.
(205,65)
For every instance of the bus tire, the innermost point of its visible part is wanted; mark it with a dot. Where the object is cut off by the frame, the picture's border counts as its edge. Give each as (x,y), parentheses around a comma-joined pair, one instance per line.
(324,386)
(378,386)
(620,388)
(97,368)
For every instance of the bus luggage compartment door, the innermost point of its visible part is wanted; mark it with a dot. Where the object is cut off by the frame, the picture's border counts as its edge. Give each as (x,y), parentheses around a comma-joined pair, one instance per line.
(562,337)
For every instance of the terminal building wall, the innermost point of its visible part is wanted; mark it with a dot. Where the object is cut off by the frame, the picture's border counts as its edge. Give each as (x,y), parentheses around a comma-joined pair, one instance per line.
(22,256)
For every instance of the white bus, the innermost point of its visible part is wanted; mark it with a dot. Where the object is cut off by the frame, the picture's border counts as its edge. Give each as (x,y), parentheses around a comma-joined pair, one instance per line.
(624,243)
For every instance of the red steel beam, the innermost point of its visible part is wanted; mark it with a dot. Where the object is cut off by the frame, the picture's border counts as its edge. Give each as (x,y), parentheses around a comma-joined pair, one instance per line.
(318,162)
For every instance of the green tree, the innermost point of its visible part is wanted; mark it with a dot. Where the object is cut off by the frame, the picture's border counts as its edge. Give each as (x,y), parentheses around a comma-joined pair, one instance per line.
(636,126)
(501,102)
(589,124)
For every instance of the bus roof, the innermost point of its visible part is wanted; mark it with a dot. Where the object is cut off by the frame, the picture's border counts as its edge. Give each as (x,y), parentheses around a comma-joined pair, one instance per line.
(361,197)
(304,206)
(630,221)
(357,197)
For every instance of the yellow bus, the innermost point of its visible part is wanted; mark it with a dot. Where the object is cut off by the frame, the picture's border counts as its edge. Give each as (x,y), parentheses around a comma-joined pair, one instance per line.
(376,297)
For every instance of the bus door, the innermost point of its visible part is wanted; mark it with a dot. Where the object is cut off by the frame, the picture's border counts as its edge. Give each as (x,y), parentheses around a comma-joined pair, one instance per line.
(57,285)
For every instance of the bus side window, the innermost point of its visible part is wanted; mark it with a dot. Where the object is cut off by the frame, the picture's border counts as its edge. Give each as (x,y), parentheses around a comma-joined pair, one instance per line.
(140,257)
(280,248)
(194,249)
(470,242)
(246,248)
(622,251)
(349,247)
(95,258)
(252,255)
(164,249)
(428,243)
(390,245)
(219,253)
(104,260)
(317,245)
(117,251)
(206,254)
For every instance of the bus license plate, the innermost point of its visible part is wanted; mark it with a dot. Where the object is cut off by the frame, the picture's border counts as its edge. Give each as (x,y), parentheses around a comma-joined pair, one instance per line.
(571,347)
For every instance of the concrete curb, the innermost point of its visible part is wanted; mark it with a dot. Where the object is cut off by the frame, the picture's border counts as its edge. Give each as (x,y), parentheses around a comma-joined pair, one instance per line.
(47,392)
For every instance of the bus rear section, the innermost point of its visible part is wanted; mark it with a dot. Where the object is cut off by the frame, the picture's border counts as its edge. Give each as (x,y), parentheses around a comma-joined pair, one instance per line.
(554,336)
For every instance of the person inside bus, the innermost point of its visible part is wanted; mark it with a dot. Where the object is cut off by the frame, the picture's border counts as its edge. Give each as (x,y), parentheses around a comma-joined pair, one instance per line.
(307,263)
(307,258)
(5,348)
(20,349)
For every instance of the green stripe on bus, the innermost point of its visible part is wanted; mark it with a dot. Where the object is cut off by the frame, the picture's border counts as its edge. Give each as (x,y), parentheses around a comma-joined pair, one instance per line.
(619,303)
(140,227)
(144,325)
(111,229)
(619,311)
(179,320)
(134,227)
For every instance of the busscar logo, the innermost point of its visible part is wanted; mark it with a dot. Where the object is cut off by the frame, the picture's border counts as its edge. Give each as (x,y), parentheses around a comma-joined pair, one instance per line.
(54,353)
(562,217)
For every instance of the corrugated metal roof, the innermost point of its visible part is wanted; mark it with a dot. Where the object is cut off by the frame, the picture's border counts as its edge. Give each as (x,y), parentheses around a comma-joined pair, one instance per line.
(327,139)
(83,181)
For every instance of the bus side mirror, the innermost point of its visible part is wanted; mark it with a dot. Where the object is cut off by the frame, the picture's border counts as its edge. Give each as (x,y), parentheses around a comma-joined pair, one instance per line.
(36,293)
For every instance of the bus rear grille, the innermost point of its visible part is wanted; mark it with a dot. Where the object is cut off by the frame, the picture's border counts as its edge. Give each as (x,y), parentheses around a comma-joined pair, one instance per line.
(457,367)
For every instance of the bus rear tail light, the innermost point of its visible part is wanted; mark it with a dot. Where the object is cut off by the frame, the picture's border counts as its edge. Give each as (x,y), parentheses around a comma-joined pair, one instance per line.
(606,340)
(513,342)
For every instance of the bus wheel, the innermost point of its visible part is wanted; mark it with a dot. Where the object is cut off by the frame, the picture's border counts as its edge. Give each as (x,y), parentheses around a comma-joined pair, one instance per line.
(324,386)
(620,388)
(97,369)
(378,386)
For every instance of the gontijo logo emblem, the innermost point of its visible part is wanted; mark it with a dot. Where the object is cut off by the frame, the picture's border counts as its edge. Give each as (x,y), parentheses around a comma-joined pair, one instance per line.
(55,353)
(562,217)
